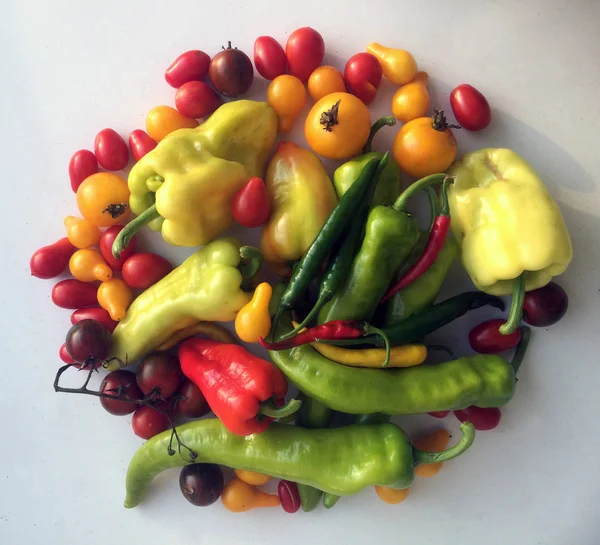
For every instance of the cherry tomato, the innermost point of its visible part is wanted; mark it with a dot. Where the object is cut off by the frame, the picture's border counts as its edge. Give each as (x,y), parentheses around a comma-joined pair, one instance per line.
(196,99)
(325,80)
(338,126)
(120,383)
(94,313)
(144,269)
(103,199)
(115,296)
(486,339)
(269,57)
(482,418)
(470,107)
(288,496)
(189,66)
(63,354)
(106,242)
(141,143)
(545,306)
(50,261)
(363,75)
(231,72)
(88,341)
(163,120)
(304,50)
(411,101)
(82,164)
(425,146)
(201,484)
(111,150)
(286,95)
(439,414)
(159,375)
(191,402)
(251,206)
(74,294)
(148,422)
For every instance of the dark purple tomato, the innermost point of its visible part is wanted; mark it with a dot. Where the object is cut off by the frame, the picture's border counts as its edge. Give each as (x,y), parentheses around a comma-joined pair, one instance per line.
(201,484)
(159,374)
(231,72)
(121,383)
(88,340)
(545,306)
(191,402)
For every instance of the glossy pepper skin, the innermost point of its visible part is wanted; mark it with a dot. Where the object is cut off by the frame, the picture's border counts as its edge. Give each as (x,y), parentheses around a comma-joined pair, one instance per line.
(233,381)
(302,197)
(506,222)
(205,287)
(332,460)
(178,176)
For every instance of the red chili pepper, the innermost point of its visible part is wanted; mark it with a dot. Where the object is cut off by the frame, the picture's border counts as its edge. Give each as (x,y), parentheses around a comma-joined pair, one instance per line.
(242,390)
(437,238)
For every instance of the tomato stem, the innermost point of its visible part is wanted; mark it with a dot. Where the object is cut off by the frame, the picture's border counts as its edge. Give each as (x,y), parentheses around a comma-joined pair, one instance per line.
(116,210)
(440,123)
(329,118)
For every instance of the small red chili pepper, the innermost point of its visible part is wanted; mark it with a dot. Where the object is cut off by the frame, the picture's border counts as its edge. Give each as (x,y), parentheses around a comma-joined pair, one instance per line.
(437,237)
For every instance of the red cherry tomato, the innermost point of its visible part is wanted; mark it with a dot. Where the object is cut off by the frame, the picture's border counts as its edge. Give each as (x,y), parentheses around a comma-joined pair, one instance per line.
(362,75)
(120,383)
(196,99)
(288,496)
(50,261)
(148,422)
(189,66)
(159,374)
(470,108)
(82,164)
(106,243)
(191,402)
(486,338)
(482,418)
(141,143)
(142,270)
(74,294)
(63,354)
(545,306)
(304,50)
(269,57)
(439,414)
(111,150)
(94,313)
(251,206)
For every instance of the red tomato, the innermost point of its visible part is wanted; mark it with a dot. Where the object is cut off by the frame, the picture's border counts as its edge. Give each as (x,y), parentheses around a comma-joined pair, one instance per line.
(486,338)
(196,99)
(363,75)
(189,66)
(269,57)
(94,313)
(142,270)
(288,496)
(74,294)
(82,164)
(141,143)
(148,422)
(304,50)
(64,355)
(106,243)
(122,384)
(439,414)
(482,418)
(470,107)
(111,150)
(251,206)
(50,261)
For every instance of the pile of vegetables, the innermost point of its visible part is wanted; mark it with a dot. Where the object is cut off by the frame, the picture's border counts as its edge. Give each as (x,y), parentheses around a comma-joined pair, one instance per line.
(342,292)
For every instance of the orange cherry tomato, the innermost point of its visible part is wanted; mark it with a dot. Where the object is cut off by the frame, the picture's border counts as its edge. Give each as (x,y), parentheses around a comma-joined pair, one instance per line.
(163,120)
(425,146)
(115,296)
(391,495)
(286,95)
(337,126)
(252,478)
(324,81)
(434,442)
(81,233)
(411,100)
(103,199)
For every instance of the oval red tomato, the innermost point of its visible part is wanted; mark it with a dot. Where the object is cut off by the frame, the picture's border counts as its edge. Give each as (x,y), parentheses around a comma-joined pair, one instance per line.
(106,243)
(94,313)
(196,99)
(470,108)
(189,66)
(486,338)
(74,294)
(483,418)
(304,50)
(362,75)
(141,143)
(142,270)
(269,57)
(111,150)
(251,206)
(82,164)
(64,355)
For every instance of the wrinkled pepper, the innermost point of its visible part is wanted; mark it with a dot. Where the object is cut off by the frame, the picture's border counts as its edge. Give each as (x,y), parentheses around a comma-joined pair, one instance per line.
(512,235)
(184,186)
(339,461)
(205,287)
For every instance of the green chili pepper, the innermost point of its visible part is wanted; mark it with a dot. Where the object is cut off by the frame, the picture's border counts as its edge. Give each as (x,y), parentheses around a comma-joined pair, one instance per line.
(329,500)
(340,461)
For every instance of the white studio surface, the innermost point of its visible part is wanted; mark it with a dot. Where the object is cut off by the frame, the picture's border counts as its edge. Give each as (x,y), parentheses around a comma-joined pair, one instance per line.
(73,68)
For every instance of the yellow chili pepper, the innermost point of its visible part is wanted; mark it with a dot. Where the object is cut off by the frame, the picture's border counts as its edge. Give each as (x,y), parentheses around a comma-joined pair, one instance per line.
(81,233)
(253,320)
(88,266)
(115,297)
(208,329)
(239,496)
(392,495)
(252,478)
(434,442)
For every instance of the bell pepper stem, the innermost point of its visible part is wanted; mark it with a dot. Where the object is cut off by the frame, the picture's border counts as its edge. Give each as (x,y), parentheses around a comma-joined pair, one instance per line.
(371,330)
(419,185)
(268,408)
(252,261)
(468,436)
(516,307)
(387,121)
(521,349)
(127,233)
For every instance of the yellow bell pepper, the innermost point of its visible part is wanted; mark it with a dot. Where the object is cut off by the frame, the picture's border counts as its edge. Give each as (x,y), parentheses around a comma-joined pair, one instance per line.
(512,235)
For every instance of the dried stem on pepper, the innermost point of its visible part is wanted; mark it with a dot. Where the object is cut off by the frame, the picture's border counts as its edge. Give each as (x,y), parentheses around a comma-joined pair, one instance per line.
(387,121)
(329,118)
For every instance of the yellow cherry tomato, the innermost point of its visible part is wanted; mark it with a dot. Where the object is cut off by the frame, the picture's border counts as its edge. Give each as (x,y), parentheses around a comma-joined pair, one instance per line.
(88,265)
(286,95)
(324,81)
(434,442)
(252,478)
(425,146)
(239,496)
(103,199)
(163,120)
(392,495)
(338,126)
(253,320)
(81,233)
(411,100)
(115,296)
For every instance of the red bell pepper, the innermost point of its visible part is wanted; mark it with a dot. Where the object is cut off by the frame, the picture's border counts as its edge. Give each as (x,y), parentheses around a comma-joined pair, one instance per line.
(244,391)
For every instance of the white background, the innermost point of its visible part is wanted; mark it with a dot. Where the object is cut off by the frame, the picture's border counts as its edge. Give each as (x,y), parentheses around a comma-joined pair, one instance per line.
(72,68)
